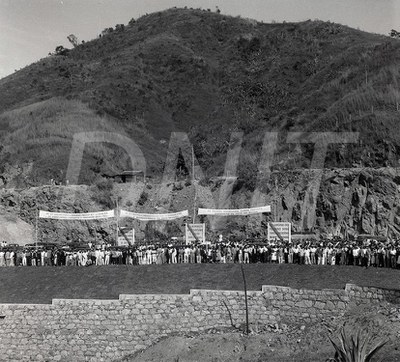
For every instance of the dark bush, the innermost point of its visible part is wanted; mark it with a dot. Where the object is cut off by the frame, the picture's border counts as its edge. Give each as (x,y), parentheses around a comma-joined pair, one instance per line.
(104,184)
(143,198)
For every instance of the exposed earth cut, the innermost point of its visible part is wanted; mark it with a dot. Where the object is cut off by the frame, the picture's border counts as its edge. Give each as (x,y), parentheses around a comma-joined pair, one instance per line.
(349,202)
(280,342)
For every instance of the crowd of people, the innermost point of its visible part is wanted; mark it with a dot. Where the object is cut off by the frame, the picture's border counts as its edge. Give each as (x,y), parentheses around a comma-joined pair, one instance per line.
(369,253)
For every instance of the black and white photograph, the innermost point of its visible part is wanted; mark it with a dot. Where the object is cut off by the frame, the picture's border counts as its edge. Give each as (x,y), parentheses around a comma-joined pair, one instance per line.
(199,181)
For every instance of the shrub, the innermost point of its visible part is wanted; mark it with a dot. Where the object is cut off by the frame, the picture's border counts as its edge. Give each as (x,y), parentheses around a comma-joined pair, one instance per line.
(355,348)
(60,50)
(143,198)
(119,27)
(177,186)
(205,181)
(104,184)
(102,192)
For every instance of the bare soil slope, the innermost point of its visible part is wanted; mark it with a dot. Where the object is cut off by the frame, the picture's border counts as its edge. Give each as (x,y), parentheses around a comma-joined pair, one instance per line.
(14,230)
(280,342)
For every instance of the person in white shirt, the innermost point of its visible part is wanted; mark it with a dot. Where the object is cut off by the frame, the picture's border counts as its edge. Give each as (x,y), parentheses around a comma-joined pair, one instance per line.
(296,254)
(42,257)
(246,255)
(186,255)
(392,254)
(2,258)
(307,259)
(98,257)
(356,255)
(174,256)
(12,254)
(313,251)
(84,258)
(139,255)
(148,256)
(24,259)
(107,257)
(274,254)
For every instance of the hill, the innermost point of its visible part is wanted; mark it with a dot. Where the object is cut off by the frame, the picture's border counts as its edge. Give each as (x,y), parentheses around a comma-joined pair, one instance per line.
(206,74)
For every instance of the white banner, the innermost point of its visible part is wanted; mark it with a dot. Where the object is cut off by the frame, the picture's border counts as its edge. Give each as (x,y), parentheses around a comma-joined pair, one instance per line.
(227,212)
(127,238)
(154,217)
(198,229)
(76,216)
(283,228)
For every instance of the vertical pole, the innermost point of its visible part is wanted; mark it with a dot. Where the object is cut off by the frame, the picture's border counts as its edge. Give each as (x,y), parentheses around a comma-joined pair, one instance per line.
(193,164)
(36,229)
(117,221)
(195,191)
(245,299)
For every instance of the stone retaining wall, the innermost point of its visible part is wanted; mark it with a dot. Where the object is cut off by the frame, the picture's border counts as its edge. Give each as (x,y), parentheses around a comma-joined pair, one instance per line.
(105,330)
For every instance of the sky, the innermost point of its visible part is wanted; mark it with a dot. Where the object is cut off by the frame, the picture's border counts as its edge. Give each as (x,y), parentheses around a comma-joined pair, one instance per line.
(30,29)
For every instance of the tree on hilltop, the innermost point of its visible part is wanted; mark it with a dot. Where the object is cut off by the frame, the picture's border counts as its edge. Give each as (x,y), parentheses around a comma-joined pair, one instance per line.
(60,50)
(394,34)
(119,27)
(107,31)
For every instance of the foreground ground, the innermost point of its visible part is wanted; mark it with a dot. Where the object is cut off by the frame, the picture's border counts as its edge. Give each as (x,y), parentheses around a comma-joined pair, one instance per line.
(274,342)
(41,284)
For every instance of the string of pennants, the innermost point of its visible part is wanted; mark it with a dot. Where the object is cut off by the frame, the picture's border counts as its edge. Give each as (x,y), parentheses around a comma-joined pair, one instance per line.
(149,217)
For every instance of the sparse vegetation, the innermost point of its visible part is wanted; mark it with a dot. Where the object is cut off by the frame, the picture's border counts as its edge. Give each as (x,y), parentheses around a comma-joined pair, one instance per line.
(102,193)
(143,198)
(60,50)
(355,348)
(394,34)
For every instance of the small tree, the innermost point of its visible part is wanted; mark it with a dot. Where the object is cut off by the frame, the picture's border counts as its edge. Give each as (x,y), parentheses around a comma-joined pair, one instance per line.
(60,50)
(107,31)
(394,34)
(119,27)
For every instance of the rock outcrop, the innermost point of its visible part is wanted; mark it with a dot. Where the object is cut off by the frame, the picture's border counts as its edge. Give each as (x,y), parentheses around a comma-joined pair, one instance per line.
(346,203)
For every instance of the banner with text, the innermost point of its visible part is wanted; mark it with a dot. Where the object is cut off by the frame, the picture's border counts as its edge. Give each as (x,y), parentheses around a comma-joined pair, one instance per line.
(76,216)
(126,237)
(194,231)
(228,212)
(284,229)
(154,217)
